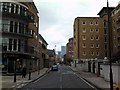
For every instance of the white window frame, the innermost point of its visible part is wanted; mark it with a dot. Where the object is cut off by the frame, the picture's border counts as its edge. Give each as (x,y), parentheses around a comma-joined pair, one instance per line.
(97,54)
(91,37)
(91,45)
(91,23)
(92,53)
(96,23)
(83,45)
(83,23)
(84,30)
(97,37)
(83,37)
(91,30)
(97,45)
(84,53)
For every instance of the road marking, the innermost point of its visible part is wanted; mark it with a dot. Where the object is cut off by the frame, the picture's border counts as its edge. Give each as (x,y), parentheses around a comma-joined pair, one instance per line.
(87,82)
(39,79)
(13,86)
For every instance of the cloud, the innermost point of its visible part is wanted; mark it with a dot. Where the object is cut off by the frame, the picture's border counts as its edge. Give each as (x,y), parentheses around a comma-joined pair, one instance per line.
(57,17)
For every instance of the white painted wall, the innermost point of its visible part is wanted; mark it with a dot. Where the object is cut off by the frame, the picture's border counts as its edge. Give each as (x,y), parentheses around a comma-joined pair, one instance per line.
(104,72)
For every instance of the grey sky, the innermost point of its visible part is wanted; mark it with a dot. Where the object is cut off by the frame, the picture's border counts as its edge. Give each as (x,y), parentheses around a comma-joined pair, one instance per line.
(57,17)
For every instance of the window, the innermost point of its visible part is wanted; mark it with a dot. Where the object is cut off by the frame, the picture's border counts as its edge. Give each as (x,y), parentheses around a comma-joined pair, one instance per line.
(92,37)
(84,30)
(91,30)
(83,45)
(92,53)
(12,8)
(10,44)
(19,27)
(91,45)
(97,30)
(97,45)
(11,26)
(97,53)
(96,23)
(19,44)
(5,25)
(15,44)
(83,37)
(1,6)
(105,46)
(105,23)
(16,9)
(91,23)
(83,23)
(97,37)
(84,53)
(105,39)
(15,27)
(105,31)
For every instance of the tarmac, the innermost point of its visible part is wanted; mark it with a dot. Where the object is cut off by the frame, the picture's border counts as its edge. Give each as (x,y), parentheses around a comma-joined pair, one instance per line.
(98,82)
(7,81)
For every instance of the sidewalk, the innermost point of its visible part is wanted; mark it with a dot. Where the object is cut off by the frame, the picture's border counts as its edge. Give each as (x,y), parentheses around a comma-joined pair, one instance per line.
(7,81)
(92,78)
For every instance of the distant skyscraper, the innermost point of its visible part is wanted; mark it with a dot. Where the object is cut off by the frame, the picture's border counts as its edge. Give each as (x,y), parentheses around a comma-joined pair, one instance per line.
(63,50)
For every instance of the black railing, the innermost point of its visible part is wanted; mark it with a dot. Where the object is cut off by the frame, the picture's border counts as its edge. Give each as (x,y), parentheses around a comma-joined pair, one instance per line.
(9,48)
(6,28)
(19,12)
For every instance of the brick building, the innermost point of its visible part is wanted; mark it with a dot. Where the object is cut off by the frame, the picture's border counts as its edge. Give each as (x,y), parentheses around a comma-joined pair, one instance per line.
(91,35)
(69,50)
(20,41)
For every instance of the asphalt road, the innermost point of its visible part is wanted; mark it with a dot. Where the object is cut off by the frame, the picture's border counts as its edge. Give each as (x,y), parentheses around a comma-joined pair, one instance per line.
(63,78)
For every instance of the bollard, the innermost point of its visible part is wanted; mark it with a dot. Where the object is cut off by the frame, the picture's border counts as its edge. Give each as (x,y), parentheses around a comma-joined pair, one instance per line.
(29,75)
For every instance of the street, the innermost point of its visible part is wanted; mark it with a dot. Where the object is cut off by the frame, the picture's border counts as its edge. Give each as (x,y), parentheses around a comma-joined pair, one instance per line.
(63,78)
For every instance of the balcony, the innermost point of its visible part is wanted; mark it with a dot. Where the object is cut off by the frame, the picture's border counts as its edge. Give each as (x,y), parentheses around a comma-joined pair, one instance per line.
(18,12)
(23,32)
(20,50)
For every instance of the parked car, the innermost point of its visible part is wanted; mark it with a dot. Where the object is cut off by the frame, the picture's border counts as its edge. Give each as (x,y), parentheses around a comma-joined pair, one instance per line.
(54,67)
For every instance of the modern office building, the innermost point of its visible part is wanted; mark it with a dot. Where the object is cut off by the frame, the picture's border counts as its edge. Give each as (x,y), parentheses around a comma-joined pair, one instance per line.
(63,51)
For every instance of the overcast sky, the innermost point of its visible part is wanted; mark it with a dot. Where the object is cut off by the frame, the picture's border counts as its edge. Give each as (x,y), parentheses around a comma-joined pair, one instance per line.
(57,17)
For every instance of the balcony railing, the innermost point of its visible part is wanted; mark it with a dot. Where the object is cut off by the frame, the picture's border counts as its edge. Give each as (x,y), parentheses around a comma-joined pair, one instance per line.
(19,12)
(5,28)
(28,50)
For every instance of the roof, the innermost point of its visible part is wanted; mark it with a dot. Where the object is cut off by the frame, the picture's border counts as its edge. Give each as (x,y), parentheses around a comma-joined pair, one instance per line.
(105,8)
(40,36)
(51,52)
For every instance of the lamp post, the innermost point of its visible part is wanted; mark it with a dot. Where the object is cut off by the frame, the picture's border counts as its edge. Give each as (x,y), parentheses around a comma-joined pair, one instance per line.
(109,43)
(14,70)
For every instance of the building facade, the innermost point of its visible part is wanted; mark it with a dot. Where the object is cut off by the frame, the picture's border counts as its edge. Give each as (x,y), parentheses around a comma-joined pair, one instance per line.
(88,38)
(91,35)
(115,16)
(63,50)
(69,50)
(20,39)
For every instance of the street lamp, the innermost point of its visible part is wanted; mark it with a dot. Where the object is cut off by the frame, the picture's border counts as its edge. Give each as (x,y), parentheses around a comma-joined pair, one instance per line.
(109,43)
(14,70)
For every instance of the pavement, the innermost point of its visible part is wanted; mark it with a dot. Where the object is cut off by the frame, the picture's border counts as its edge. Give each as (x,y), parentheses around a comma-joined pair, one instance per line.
(99,82)
(7,83)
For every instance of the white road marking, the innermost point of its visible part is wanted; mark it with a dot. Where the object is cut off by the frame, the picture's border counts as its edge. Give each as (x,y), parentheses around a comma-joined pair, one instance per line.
(87,82)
